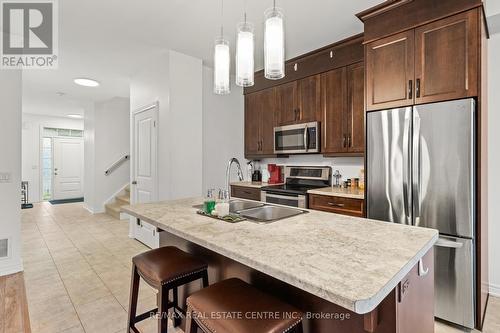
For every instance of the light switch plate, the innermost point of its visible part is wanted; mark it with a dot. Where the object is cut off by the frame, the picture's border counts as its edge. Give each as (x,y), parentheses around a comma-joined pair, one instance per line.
(5,177)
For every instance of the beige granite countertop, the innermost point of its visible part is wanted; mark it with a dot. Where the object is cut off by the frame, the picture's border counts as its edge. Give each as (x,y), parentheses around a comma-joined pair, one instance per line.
(354,193)
(252,184)
(352,262)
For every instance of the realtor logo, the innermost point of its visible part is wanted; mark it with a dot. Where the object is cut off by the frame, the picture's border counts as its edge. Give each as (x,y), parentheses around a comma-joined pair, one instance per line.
(29,34)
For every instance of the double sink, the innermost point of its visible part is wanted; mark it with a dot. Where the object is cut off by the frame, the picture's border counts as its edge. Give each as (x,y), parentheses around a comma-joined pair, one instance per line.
(262,213)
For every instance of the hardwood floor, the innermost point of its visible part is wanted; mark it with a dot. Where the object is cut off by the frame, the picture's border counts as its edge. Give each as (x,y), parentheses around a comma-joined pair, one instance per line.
(77,274)
(14,317)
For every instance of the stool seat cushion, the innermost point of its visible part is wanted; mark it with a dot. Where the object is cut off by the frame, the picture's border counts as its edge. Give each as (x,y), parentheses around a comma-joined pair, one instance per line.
(167,264)
(233,306)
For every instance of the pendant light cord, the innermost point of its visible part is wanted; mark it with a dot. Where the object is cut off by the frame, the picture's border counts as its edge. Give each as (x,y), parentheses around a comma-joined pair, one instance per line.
(222,18)
(245,10)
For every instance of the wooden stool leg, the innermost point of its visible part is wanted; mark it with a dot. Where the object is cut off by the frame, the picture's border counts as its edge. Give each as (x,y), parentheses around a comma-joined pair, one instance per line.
(134,291)
(163,310)
(191,325)
(177,316)
(205,278)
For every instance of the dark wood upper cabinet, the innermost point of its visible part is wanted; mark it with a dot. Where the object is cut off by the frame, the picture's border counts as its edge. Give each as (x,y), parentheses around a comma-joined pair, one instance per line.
(268,119)
(356,108)
(309,98)
(446,58)
(390,71)
(435,62)
(343,123)
(252,124)
(287,106)
(260,119)
(334,101)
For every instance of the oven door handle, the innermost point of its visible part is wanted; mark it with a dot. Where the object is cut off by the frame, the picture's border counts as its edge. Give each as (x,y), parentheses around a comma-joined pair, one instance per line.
(284,196)
(306,138)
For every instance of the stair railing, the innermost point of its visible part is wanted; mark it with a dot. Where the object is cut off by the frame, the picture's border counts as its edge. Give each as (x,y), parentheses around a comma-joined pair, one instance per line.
(116,164)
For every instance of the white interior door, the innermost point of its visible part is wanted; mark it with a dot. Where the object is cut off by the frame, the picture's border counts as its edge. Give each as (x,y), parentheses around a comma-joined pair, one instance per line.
(68,168)
(144,158)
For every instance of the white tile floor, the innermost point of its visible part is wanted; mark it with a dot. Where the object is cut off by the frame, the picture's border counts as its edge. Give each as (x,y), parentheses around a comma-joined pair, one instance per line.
(77,272)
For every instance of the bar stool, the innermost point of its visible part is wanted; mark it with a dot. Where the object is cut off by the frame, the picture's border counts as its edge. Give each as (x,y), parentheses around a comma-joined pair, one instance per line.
(233,306)
(164,269)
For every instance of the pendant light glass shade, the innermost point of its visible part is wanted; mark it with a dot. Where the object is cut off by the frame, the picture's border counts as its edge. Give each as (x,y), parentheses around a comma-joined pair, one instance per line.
(245,55)
(222,64)
(274,44)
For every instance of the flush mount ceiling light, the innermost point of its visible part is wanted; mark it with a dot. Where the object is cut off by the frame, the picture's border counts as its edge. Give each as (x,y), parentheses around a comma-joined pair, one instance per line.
(245,53)
(274,44)
(75,116)
(222,61)
(86,82)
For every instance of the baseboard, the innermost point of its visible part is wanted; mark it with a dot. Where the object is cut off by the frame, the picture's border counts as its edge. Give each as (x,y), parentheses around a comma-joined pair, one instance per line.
(90,210)
(494,290)
(16,267)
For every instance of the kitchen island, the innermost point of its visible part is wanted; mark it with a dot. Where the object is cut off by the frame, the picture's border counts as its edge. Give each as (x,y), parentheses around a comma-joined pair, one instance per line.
(347,274)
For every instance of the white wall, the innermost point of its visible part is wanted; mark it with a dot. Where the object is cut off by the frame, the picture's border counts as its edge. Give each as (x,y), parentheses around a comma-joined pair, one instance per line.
(89,156)
(10,162)
(31,147)
(174,80)
(107,140)
(494,161)
(147,87)
(186,125)
(223,131)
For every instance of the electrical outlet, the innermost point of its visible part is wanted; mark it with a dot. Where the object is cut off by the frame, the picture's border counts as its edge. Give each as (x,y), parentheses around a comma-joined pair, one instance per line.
(5,177)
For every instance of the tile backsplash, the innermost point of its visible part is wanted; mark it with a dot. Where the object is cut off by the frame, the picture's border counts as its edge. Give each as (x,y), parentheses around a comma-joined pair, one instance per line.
(349,167)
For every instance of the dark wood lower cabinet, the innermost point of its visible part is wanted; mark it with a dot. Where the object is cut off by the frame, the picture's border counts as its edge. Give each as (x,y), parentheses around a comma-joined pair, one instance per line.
(408,308)
(338,205)
(244,192)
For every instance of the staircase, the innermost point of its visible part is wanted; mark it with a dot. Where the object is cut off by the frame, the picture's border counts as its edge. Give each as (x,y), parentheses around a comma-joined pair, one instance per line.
(120,200)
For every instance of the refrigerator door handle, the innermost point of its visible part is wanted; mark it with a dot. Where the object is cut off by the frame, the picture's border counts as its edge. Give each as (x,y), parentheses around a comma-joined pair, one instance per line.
(416,167)
(406,167)
(449,244)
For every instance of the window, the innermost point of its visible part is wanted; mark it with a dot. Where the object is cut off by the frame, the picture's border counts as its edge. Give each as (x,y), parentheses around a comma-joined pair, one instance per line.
(47,168)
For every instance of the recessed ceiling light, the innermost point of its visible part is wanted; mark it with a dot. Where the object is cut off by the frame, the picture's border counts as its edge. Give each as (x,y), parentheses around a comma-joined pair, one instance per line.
(76,116)
(86,82)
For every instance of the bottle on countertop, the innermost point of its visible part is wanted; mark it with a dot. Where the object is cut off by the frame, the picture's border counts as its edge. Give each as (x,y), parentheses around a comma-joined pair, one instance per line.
(222,206)
(209,202)
(362,179)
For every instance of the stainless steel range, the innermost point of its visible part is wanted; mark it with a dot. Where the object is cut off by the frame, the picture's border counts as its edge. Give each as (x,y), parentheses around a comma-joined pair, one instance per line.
(298,180)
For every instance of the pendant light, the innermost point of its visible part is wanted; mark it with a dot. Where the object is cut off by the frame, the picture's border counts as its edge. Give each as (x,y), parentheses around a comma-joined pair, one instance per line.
(245,53)
(274,44)
(222,61)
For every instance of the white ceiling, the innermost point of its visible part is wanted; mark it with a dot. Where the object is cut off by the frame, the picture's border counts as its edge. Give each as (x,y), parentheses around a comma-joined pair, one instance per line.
(108,40)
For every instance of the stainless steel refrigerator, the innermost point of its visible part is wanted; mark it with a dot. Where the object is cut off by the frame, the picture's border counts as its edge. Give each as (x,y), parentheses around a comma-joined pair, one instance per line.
(421,170)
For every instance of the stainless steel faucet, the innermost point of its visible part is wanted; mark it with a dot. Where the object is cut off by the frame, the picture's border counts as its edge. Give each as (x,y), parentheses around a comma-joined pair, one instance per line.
(228,173)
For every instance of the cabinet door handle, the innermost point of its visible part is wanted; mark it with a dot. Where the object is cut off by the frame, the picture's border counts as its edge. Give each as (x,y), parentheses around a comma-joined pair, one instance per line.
(344,142)
(410,89)
(336,204)
(417,88)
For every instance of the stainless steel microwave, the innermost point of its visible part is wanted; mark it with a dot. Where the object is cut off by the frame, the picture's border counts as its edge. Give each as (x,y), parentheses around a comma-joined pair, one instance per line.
(297,139)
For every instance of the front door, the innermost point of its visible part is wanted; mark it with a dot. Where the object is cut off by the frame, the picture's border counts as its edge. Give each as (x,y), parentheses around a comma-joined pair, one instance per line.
(68,168)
